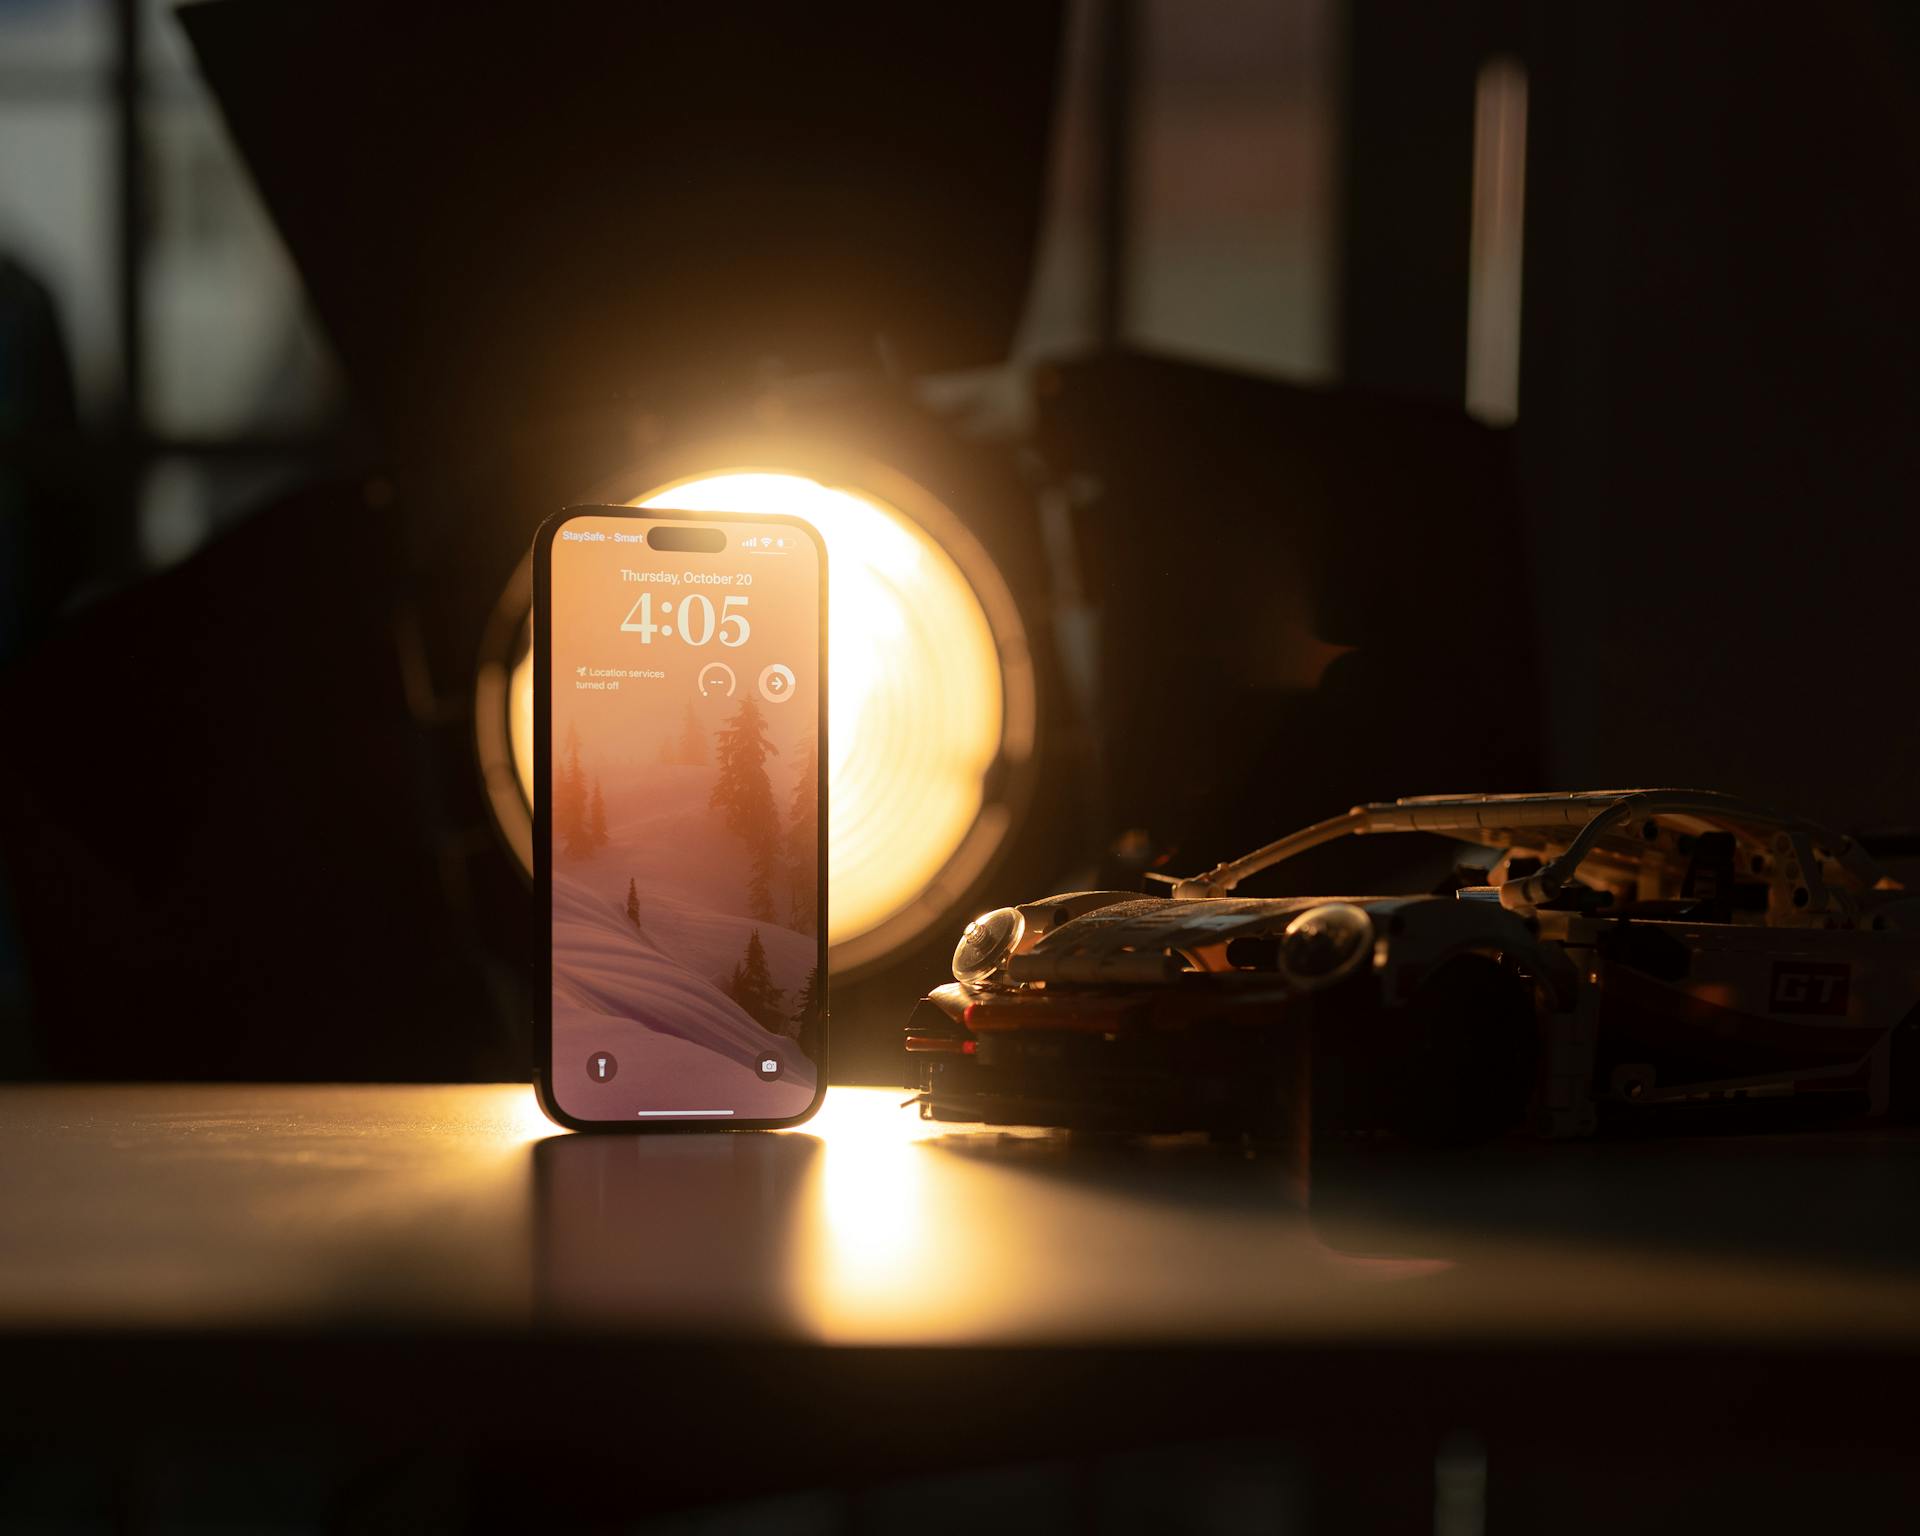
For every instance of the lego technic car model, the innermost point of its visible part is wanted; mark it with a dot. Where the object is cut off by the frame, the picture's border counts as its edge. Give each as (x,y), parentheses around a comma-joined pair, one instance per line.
(1630,948)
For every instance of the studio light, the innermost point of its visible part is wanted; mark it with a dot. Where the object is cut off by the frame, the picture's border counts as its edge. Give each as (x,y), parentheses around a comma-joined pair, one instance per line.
(931,696)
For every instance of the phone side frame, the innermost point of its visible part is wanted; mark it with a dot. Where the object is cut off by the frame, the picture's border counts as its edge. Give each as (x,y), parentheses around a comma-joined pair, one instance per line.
(543,821)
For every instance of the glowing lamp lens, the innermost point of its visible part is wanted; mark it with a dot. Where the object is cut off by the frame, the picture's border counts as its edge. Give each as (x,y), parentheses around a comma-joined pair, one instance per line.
(914,703)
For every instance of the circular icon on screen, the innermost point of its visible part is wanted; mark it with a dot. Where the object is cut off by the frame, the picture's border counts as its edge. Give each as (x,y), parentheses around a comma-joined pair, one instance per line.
(716,681)
(776,684)
(767,1065)
(601,1066)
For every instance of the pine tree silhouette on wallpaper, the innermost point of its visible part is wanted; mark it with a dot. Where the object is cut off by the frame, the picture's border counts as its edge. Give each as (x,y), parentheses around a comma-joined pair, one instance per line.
(633,904)
(806,1009)
(745,795)
(689,748)
(570,799)
(751,986)
(579,812)
(693,741)
(803,844)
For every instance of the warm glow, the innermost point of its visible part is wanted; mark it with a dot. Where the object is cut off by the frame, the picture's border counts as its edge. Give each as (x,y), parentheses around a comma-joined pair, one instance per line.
(914,698)
(876,1233)
(868,1124)
(520,722)
(525,1120)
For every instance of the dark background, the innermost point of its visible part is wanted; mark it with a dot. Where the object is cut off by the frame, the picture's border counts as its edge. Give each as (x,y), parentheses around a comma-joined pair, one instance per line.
(1198,274)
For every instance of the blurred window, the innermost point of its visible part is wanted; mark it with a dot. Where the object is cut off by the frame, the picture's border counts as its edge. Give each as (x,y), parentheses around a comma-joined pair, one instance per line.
(56,212)
(1232,221)
(229,347)
(200,373)
(1227,226)
(55,36)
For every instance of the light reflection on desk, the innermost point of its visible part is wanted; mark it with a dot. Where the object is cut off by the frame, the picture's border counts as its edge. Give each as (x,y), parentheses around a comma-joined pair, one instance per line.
(873,1261)
(954,1233)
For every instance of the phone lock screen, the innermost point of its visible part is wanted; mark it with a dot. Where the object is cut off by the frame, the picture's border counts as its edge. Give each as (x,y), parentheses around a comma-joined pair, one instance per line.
(680,716)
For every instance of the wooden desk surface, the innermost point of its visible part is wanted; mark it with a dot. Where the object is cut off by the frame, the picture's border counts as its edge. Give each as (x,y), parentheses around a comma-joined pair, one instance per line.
(213,1208)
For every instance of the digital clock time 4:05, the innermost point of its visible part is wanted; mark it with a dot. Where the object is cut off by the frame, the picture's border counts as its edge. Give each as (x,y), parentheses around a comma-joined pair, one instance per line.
(698,621)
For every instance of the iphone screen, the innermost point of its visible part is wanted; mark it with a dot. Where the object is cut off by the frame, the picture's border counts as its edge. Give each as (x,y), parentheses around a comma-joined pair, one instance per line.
(684,817)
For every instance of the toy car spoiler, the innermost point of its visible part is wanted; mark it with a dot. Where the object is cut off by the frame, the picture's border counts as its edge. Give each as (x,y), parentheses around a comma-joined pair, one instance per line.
(1569,827)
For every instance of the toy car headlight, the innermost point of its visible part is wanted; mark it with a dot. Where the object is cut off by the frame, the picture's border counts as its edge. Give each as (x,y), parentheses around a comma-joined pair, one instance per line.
(1323,944)
(987,945)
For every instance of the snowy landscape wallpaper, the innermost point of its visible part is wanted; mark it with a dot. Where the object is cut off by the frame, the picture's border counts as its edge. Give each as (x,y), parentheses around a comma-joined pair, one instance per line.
(685,794)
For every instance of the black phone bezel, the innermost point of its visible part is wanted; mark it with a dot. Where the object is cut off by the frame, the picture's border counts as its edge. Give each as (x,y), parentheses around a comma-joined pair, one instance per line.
(543,832)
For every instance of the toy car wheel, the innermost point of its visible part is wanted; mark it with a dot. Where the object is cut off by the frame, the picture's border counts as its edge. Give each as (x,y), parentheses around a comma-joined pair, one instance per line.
(1468,1046)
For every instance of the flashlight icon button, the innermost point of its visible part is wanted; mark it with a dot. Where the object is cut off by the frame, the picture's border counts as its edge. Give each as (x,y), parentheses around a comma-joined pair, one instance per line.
(776,684)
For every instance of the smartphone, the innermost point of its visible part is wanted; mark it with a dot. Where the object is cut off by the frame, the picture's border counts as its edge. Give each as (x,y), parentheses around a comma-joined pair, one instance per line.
(680,816)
